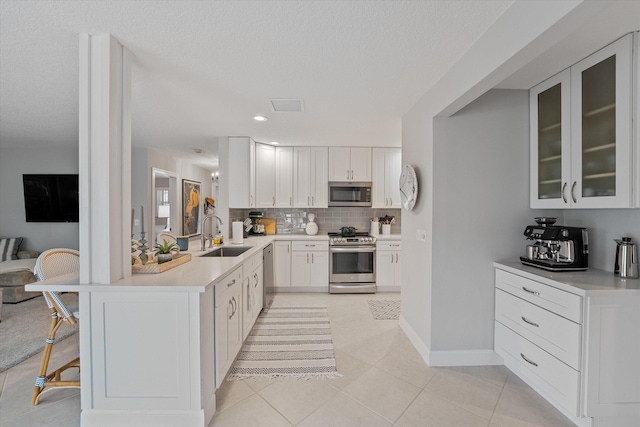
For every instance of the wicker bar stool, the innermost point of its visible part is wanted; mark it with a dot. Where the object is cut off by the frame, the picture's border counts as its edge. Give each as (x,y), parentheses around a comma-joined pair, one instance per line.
(52,263)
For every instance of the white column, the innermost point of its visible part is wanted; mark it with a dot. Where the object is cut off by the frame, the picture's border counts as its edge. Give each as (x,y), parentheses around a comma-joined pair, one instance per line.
(105,159)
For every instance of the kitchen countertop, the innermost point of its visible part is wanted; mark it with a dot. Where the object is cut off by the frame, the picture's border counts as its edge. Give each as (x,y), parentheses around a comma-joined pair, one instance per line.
(592,282)
(194,276)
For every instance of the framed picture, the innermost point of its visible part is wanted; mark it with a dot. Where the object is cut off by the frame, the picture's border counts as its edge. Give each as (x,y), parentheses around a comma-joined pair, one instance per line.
(190,208)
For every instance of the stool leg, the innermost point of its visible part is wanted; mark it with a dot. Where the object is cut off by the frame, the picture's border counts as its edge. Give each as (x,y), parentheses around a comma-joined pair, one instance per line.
(42,374)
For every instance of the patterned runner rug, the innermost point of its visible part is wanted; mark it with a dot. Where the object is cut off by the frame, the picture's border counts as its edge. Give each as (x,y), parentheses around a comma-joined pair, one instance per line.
(385,309)
(288,342)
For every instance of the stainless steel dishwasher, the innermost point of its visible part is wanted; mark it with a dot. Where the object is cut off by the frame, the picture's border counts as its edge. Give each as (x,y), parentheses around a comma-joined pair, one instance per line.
(269,279)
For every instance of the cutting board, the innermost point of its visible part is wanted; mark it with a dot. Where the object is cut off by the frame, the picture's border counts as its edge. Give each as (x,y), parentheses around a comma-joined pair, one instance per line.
(269,225)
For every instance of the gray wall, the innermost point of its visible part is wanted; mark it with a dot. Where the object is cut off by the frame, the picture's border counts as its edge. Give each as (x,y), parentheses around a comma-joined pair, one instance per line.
(14,162)
(480,209)
(604,225)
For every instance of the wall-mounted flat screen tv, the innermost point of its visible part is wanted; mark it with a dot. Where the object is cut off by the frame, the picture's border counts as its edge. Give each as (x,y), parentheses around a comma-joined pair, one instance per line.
(51,198)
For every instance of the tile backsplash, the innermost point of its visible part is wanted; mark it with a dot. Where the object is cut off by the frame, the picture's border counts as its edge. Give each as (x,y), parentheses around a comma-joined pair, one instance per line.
(294,220)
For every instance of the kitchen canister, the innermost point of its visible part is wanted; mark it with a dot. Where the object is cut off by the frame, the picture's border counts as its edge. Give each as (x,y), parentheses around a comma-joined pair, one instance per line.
(386,229)
(237,228)
(183,242)
(375,227)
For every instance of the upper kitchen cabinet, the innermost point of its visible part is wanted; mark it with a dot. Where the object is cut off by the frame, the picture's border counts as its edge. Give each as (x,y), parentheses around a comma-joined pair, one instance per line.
(387,165)
(242,183)
(310,177)
(581,138)
(284,177)
(265,176)
(349,164)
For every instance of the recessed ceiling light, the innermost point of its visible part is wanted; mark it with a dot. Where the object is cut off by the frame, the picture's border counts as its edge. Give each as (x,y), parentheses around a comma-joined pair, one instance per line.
(260,118)
(274,143)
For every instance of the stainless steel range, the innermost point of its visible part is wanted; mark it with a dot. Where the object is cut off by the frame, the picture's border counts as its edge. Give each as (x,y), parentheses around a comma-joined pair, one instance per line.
(352,263)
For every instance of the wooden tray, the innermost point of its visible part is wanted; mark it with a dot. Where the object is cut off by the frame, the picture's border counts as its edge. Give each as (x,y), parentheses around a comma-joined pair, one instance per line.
(153,267)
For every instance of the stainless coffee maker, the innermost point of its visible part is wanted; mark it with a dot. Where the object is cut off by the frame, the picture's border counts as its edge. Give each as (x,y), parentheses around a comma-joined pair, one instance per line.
(555,247)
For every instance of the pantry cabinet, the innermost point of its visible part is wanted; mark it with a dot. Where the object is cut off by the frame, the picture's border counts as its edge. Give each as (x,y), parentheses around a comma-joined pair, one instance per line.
(388,265)
(581,133)
(310,265)
(265,176)
(242,180)
(350,164)
(387,166)
(310,177)
(284,177)
(573,339)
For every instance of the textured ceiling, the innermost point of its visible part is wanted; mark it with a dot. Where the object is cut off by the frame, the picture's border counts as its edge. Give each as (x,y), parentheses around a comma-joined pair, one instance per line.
(202,69)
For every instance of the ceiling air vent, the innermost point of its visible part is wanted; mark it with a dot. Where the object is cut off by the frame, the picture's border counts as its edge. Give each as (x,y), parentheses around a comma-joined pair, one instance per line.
(287,105)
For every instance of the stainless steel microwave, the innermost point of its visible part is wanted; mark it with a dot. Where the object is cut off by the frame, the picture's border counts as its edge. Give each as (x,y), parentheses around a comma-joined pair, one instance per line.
(349,193)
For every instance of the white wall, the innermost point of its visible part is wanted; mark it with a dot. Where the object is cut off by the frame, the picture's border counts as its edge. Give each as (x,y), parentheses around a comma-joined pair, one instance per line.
(14,162)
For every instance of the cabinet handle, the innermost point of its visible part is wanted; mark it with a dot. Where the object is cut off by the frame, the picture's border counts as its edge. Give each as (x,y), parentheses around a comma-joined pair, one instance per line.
(530,291)
(351,173)
(230,315)
(248,295)
(308,200)
(309,246)
(251,200)
(313,200)
(396,258)
(391,258)
(395,245)
(307,258)
(564,196)
(274,200)
(290,201)
(231,283)
(528,361)
(524,319)
(347,174)
(390,201)
(255,275)
(573,196)
(312,260)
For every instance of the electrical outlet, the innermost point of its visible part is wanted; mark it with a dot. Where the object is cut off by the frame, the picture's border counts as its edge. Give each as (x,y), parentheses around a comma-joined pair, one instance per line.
(136,221)
(421,235)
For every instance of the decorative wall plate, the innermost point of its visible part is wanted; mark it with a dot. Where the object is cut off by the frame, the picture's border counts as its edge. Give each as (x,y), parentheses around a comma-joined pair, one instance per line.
(408,187)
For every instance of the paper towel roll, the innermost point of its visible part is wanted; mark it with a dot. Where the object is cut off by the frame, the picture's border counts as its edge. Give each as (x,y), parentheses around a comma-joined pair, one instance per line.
(237,228)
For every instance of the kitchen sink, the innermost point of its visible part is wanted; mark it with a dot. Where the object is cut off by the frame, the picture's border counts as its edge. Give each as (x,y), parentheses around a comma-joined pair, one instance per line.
(227,251)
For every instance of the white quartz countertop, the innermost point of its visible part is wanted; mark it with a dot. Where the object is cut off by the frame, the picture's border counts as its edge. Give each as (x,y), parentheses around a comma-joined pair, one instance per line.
(586,283)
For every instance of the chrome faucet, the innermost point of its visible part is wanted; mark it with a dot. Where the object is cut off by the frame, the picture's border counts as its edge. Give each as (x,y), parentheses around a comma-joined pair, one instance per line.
(204,220)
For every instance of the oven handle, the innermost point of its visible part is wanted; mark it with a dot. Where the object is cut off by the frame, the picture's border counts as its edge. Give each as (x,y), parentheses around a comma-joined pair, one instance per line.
(353,249)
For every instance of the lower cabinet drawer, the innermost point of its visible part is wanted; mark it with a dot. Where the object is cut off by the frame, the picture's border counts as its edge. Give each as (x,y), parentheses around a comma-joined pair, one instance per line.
(555,334)
(558,380)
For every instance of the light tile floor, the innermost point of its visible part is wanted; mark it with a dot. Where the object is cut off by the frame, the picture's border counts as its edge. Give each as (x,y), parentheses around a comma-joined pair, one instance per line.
(385,383)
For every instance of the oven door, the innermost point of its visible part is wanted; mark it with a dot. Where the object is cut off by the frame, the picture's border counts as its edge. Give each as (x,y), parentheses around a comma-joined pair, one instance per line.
(354,264)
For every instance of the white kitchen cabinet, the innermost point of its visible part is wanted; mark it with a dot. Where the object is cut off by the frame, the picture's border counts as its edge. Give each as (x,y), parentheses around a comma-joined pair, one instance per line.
(282,264)
(251,285)
(577,345)
(228,325)
(387,167)
(310,177)
(581,135)
(284,177)
(242,182)
(350,164)
(265,175)
(388,265)
(310,265)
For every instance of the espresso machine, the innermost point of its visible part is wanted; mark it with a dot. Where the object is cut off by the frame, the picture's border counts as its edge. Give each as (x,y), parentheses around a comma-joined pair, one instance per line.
(556,247)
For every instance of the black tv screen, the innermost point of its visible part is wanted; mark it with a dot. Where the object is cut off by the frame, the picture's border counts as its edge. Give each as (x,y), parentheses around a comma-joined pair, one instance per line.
(51,198)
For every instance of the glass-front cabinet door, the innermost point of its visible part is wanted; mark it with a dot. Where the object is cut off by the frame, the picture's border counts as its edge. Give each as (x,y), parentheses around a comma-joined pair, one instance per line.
(601,106)
(550,111)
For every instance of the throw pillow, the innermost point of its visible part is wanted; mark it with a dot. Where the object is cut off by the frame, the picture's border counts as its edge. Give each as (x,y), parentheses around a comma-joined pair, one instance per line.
(9,248)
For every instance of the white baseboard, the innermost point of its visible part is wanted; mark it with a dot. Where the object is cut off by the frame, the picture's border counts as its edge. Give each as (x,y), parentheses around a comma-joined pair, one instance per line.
(389,288)
(110,418)
(449,358)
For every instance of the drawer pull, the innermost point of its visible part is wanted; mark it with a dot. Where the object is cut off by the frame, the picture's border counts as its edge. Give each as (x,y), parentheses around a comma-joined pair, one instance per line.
(524,319)
(530,291)
(528,361)
(231,283)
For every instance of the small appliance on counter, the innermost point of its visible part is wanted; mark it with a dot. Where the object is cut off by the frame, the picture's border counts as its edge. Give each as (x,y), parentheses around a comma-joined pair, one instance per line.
(626,266)
(257,228)
(556,247)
